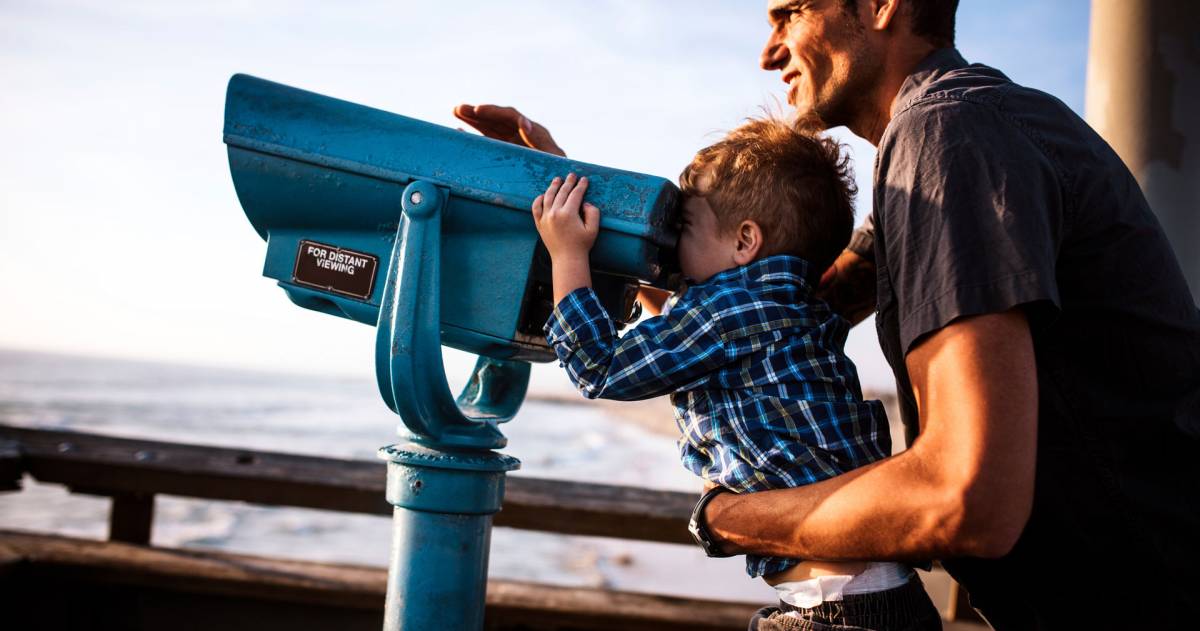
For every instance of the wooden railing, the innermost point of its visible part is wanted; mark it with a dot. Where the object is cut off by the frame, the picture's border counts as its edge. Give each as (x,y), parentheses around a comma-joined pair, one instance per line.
(132,472)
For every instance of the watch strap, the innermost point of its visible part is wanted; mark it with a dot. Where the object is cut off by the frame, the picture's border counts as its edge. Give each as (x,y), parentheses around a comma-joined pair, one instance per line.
(699,529)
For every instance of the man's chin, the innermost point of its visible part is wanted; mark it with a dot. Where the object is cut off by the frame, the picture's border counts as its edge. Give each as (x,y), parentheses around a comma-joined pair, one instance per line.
(809,119)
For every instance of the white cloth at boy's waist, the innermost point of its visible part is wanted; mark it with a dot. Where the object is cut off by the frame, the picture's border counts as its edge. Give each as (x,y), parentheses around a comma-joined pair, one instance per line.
(878,577)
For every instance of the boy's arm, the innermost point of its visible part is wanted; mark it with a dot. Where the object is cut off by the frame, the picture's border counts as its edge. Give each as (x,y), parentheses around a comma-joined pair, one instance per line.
(661,355)
(655,358)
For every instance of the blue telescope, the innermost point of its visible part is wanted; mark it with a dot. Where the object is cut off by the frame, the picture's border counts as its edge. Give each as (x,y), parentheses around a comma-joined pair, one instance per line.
(425,232)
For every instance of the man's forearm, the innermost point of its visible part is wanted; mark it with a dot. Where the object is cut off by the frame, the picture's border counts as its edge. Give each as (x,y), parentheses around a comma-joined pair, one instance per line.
(893,509)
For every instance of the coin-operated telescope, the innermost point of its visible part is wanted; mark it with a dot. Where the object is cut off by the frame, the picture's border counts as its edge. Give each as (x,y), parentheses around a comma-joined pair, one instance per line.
(425,232)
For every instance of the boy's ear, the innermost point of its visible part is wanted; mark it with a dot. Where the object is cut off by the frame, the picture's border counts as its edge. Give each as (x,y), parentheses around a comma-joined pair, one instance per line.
(749,242)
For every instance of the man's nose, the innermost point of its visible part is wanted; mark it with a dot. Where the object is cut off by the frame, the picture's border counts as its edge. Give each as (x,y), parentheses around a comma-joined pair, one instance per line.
(774,54)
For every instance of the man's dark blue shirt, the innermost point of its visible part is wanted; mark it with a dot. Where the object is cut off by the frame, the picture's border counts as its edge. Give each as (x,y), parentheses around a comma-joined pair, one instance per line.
(990,197)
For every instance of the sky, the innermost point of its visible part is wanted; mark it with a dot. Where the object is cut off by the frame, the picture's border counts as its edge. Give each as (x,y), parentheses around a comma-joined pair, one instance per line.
(120,230)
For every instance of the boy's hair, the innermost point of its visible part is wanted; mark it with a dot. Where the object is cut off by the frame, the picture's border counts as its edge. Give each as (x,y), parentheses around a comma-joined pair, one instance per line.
(796,184)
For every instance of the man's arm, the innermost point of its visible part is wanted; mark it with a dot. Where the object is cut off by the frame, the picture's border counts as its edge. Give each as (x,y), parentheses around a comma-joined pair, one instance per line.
(964,488)
(849,286)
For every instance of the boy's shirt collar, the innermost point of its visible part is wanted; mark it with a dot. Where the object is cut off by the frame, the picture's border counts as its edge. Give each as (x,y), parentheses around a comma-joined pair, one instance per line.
(780,268)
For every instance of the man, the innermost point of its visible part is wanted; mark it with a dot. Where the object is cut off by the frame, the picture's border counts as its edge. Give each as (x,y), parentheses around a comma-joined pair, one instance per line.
(1045,343)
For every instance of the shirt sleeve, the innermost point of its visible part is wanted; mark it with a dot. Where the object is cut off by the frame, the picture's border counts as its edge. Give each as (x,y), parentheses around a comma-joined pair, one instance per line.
(970,211)
(676,351)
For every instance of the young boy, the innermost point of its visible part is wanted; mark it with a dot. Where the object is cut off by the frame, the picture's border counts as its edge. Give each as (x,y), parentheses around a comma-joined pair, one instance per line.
(753,361)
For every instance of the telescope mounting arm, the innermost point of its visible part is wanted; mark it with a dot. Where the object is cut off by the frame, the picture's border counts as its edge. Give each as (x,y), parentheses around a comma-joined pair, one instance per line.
(408,349)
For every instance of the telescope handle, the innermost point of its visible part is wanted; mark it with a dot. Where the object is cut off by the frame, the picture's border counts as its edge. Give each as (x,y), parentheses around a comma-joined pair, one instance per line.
(408,349)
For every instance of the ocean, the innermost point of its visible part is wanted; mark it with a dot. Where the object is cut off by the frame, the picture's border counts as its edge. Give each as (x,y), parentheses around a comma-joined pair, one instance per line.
(554,436)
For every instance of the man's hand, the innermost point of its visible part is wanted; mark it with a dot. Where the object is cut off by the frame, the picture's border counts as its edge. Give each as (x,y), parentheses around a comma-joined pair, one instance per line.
(849,287)
(509,125)
(568,232)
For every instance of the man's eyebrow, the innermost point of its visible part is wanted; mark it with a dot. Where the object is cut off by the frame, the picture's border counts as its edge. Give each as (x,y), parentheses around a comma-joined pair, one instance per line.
(777,14)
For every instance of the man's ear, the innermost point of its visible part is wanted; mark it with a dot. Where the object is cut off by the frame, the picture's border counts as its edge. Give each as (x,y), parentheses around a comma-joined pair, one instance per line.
(749,242)
(883,13)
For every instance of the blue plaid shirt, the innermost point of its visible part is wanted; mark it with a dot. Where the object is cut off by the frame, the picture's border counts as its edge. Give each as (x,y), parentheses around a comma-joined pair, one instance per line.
(764,396)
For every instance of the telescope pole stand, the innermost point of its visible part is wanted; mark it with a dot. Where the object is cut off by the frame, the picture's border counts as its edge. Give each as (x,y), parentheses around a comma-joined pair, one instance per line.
(441,534)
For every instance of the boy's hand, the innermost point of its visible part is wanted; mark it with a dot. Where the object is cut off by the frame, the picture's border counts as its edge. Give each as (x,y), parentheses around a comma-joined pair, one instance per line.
(568,232)
(565,230)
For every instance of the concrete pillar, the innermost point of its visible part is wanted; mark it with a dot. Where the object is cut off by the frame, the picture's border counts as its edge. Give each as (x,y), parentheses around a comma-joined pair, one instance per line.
(1143,96)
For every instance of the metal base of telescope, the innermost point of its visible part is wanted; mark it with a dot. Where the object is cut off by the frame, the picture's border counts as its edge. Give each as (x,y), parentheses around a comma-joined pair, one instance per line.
(319,179)
(441,534)
(446,481)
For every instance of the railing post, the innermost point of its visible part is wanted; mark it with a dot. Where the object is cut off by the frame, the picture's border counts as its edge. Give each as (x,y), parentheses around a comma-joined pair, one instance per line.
(131,518)
(11,465)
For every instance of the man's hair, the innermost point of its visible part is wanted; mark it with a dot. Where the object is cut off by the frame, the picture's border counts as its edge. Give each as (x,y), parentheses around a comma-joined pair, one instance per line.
(932,20)
(795,184)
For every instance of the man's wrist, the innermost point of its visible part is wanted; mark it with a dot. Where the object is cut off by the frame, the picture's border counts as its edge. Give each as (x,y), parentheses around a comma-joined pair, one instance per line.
(699,528)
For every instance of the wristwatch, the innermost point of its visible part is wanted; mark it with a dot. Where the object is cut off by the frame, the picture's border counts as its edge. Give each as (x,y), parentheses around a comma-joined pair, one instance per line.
(699,530)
